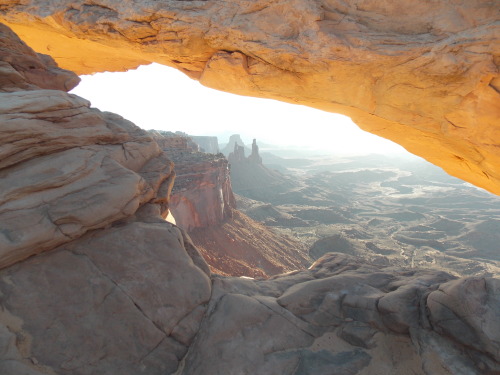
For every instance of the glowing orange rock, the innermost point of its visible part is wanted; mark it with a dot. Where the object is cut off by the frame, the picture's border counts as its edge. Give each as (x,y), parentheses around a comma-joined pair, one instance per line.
(423,74)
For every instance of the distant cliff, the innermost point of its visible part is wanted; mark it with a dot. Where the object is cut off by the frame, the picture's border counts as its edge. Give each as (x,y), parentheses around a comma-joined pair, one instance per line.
(202,195)
(206,143)
(174,141)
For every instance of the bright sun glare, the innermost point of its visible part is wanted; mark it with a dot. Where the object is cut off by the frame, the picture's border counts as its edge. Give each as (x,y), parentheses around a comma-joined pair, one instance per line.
(159,97)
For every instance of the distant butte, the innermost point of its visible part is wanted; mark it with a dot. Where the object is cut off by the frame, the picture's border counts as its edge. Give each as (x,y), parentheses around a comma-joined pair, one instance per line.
(423,74)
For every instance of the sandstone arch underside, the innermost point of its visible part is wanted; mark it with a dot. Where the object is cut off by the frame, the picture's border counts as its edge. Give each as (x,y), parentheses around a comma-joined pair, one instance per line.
(423,74)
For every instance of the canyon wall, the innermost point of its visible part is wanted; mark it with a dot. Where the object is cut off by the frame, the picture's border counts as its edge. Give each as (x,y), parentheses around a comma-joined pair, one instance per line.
(423,74)
(203,204)
(172,142)
(118,290)
(202,195)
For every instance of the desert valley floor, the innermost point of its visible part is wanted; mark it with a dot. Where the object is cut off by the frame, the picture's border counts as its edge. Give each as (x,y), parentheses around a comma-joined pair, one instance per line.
(396,208)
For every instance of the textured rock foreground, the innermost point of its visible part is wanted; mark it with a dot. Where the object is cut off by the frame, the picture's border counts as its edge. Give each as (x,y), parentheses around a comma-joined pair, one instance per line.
(117,290)
(347,316)
(423,74)
(65,168)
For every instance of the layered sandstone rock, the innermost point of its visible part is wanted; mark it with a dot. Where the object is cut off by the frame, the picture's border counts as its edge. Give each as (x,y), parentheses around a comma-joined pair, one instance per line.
(118,289)
(66,168)
(424,74)
(202,195)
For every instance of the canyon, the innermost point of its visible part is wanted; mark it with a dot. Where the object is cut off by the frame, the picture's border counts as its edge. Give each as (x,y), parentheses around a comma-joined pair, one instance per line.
(203,204)
(396,209)
(93,280)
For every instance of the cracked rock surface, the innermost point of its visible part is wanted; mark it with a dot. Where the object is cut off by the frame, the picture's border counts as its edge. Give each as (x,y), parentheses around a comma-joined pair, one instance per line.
(125,300)
(346,315)
(66,168)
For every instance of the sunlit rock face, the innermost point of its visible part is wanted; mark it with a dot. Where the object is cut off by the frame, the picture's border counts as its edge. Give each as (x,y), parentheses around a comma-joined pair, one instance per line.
(423,74)
(23,68)
(202,195)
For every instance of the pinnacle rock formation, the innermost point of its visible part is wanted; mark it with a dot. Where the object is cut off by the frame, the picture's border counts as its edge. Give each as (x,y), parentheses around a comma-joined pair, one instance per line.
(423,74)
(93,280)
(234,140)
(254,156)
(251,178)
(238,155)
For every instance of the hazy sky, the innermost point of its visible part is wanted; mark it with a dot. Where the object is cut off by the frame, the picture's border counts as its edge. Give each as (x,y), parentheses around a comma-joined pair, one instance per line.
(159,97)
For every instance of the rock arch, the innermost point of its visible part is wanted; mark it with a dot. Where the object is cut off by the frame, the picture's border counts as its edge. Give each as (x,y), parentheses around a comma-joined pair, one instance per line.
(424,75)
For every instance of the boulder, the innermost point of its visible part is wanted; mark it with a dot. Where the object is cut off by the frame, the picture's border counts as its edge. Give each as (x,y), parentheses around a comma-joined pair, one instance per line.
(468,311)
(128,299)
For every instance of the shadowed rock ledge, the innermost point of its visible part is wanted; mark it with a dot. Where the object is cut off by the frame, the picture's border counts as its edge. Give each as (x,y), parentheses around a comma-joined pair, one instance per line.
(423,74)
(94,281)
